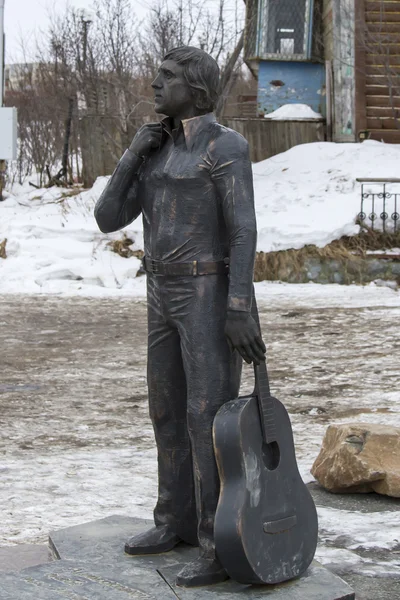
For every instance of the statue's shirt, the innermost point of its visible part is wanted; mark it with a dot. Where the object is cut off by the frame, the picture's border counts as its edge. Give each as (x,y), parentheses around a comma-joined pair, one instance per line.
(196,197)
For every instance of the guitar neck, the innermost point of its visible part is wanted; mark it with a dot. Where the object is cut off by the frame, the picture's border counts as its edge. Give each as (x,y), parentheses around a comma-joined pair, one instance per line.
(265,403)
(262,390)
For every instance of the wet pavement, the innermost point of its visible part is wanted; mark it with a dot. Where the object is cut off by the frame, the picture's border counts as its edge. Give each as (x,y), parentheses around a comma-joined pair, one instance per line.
(77,442)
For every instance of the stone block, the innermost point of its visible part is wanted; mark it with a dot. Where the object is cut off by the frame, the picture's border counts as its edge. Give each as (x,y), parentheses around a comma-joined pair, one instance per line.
(71,580)
(101,544)
(23,556)
(316,584)
(103,541)
(360,457)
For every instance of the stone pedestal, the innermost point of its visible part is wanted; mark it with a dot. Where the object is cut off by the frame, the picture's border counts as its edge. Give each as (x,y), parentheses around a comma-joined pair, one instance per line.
(90,564)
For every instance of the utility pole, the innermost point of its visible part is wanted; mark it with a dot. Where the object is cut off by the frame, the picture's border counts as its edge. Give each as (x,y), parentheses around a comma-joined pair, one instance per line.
(2,2)
(8,116)
(2,44)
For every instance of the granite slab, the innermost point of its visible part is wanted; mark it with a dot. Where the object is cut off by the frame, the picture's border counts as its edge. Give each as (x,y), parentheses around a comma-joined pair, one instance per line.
(101,544)
(22,556)
(104,540)
(316,584)
(72,580)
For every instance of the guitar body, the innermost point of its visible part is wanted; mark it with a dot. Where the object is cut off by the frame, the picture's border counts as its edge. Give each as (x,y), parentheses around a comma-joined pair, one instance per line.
(266,523)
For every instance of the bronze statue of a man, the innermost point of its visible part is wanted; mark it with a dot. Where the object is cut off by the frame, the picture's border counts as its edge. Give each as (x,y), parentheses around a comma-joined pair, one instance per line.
(191,179)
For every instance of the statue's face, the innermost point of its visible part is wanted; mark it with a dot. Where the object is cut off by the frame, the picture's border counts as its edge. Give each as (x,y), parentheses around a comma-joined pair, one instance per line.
(172,94)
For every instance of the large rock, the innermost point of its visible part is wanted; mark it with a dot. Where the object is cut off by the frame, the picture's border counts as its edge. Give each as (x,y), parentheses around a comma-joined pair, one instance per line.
(360,457)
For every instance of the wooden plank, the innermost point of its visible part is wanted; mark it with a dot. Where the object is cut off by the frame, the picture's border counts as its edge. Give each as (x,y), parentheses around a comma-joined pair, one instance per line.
(382,80)
(390,137)
(383,101)
(377,17)
(382,7)
(376,112)
(383,123)
(383,90)
(381,70)
(382,37)
(382,60)
(382,28)
(375,47)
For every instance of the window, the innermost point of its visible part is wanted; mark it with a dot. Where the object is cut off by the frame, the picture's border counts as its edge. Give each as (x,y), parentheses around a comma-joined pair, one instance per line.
(285,27)
(283,30)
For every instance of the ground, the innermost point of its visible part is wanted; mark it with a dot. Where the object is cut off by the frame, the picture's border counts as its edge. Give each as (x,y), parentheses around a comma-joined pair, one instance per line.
(77,443)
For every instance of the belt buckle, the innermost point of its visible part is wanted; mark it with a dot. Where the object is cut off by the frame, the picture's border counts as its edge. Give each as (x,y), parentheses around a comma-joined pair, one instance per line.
(154,267)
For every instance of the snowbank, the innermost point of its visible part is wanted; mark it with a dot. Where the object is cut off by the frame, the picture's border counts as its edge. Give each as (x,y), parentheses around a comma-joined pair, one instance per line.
(308,195)
(293,112)
(55,246)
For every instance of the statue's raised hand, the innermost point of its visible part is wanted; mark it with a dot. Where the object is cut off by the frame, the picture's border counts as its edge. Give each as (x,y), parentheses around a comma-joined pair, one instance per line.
(244,335)
(148,138)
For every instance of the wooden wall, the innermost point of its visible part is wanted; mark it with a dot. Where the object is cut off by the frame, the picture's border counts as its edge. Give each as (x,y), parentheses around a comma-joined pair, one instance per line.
(327,27)
(267,138)
(378,69)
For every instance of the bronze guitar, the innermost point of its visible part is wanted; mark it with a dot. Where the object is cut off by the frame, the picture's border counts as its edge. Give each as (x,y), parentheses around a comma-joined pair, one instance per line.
(266,525)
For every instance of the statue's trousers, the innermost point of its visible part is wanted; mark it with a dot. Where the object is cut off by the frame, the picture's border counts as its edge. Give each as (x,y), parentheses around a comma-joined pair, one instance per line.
(191,372)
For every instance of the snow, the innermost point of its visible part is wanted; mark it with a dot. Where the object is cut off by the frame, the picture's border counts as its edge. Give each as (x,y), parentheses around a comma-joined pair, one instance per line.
(55,246)
(307,195)
(293,112)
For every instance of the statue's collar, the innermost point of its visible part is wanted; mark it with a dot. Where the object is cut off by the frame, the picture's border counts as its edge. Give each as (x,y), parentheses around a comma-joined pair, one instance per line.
(191,127)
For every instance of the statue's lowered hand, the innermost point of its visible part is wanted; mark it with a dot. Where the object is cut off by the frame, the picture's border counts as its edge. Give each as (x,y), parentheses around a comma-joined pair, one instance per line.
(243,334)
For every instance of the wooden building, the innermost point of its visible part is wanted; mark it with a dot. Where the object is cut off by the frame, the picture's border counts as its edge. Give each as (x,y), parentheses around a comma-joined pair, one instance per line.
(377,69)
(341,57)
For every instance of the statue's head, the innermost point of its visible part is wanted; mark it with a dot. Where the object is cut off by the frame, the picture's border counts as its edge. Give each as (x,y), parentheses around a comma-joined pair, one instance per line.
(188,77)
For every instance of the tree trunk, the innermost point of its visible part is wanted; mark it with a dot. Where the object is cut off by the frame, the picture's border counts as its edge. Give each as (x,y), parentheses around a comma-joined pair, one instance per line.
(64,164)
(227,77)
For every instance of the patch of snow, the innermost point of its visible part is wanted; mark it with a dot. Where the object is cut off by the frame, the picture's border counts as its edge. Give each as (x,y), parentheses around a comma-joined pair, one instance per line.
(360,530)
(331,295)
(307,195)
(293,112)
(389,251)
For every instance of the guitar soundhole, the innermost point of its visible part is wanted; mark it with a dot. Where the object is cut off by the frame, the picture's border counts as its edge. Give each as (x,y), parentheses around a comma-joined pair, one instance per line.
(271,455)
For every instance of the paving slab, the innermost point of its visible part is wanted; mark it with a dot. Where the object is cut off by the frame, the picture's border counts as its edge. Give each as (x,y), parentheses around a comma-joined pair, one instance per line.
(72,580)
(316,584)
(18,557)
(101,543)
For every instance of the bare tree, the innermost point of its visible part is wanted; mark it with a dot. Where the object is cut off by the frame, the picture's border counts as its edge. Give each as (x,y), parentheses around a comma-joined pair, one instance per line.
(92,84)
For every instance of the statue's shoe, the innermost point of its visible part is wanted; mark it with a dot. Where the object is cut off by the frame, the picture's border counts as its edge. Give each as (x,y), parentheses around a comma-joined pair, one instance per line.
(202,571)
(154,541)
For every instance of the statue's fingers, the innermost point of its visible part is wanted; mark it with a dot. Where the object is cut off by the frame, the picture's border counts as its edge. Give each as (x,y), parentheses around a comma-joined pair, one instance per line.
(256,350)
(244,352)
(260,344)
(256,353)
(254,356)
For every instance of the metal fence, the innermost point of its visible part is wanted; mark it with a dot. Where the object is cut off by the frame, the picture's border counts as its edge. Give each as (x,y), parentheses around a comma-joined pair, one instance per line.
(380,204)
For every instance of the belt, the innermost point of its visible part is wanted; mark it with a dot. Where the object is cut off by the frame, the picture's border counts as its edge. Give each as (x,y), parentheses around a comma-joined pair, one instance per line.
(193,268)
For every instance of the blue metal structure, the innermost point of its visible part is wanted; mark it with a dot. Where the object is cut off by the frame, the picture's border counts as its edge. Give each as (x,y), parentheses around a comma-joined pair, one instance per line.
(285,82)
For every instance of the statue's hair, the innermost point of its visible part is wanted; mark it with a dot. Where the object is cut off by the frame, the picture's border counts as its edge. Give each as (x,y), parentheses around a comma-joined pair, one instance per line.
(201,72)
